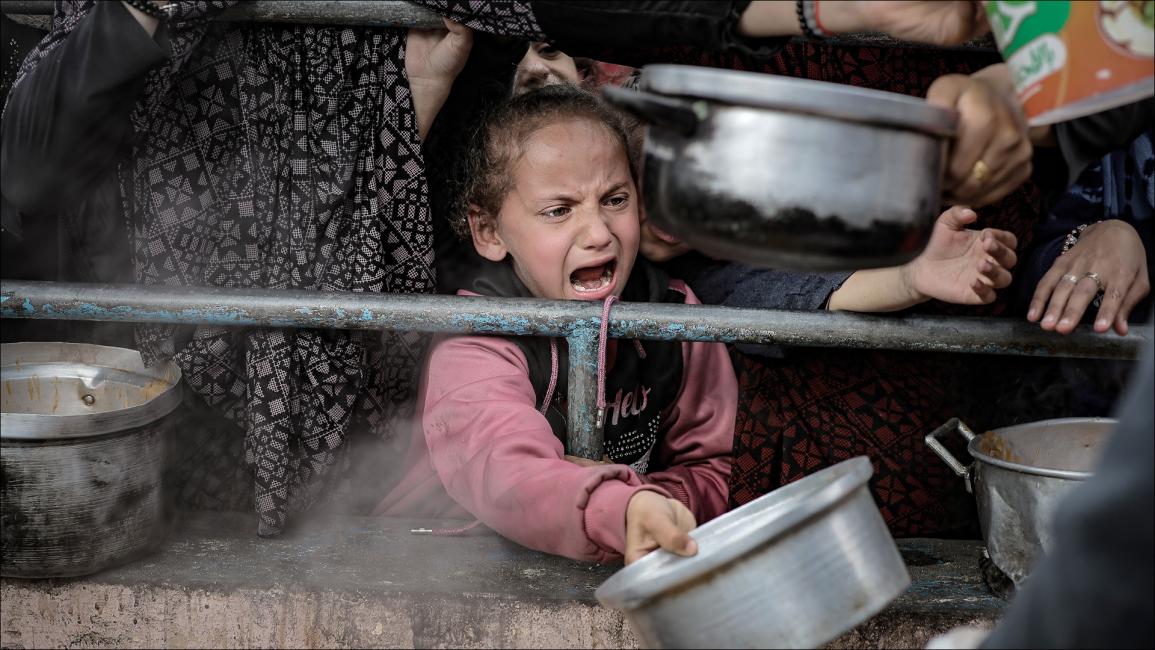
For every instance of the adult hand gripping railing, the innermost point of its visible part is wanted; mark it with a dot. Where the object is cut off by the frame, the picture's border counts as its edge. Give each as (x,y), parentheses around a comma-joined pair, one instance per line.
(576,321)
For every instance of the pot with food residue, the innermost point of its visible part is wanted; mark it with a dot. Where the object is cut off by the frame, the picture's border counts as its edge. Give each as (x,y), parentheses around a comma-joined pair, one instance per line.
(84,448)
(1019,476)
(789,173)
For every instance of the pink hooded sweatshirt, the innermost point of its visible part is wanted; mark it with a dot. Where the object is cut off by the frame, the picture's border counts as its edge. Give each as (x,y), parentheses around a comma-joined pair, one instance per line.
(481,449)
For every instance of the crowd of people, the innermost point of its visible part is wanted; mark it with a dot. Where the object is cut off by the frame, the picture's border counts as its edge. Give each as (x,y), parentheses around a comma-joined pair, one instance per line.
(478,159)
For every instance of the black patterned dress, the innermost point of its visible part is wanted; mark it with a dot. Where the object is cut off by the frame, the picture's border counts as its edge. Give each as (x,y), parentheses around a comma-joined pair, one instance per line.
(278,156)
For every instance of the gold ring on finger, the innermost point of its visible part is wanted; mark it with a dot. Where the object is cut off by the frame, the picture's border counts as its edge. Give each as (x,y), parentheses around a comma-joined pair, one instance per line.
(1098,281)
(980,171)
(1072,278)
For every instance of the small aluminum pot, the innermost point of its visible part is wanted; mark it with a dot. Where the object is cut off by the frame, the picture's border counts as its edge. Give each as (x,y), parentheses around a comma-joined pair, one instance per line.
(82,457)
(792,569)
(1019,476)
(789,172)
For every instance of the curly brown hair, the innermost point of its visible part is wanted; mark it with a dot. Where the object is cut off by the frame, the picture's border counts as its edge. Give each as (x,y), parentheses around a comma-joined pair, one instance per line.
(499,142)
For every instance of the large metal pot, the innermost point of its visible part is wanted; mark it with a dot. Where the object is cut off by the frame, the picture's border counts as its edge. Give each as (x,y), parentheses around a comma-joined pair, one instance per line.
(792,569)
(82,459)
(789,172)
(1019,476)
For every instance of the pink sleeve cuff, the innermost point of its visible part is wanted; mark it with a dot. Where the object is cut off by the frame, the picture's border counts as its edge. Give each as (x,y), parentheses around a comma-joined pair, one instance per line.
(605,513)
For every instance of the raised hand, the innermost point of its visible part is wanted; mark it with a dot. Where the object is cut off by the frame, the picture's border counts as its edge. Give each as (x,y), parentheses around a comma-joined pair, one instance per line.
(962,266)
(433,59)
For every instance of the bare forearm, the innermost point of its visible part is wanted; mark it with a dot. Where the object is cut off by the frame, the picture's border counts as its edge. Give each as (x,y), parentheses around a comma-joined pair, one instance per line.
(427,102)
(875,290)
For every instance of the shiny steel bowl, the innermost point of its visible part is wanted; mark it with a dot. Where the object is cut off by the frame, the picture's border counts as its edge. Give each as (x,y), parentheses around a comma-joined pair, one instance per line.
(792,569)
(786,172)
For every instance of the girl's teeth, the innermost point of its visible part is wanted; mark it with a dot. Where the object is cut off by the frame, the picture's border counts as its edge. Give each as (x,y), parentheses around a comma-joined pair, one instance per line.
(601,283)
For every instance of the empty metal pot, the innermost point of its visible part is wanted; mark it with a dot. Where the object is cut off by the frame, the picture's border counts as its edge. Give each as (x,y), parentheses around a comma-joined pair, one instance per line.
(82,459)
(792,569)
(1019,476)
(789,172)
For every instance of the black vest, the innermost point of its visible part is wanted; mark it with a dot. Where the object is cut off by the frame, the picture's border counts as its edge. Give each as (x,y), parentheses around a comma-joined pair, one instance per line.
(638,391)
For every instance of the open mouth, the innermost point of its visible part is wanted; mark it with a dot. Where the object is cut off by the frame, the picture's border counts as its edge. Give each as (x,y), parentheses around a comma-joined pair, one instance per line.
(591,279)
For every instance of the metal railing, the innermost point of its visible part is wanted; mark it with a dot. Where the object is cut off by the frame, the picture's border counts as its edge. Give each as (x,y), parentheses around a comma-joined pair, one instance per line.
(578,322)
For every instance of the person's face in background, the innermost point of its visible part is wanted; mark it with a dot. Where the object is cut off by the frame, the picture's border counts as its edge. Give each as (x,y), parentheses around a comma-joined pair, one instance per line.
(544,65)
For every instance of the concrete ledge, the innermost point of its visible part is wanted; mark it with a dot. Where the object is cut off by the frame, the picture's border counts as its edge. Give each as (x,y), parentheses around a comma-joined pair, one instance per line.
(366,582)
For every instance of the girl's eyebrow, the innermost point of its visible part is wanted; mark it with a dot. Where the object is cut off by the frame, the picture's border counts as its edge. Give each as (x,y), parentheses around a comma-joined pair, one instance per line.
(565,198)
(570,198)
(616,188)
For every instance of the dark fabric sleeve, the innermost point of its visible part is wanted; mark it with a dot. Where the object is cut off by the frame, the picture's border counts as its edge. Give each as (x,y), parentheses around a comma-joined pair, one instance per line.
(68,116)
(1094,589)
(1087,139)
(740,285)
(1047,245)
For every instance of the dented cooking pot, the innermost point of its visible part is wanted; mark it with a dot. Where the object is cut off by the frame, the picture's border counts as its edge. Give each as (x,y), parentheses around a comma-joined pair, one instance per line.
(1019,476)
(83,455)
(786,172)
(791,569)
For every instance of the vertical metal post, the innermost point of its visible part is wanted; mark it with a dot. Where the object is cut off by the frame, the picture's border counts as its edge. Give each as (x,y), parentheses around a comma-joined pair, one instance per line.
(584,437)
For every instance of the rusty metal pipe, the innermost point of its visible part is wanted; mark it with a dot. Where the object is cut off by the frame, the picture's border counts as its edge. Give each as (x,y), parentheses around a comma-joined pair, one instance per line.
(575,320)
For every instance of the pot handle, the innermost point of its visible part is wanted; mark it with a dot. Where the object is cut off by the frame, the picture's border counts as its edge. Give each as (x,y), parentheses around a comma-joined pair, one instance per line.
(674,114)
(953,424)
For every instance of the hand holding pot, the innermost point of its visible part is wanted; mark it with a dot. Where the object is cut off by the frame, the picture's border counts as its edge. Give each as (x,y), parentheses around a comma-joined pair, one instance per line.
(654,521)
(991,154)
(962,266)
(1114,252)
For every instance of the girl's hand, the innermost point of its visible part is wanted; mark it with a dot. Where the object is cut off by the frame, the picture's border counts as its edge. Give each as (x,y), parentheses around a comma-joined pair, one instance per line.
(654,521)
(433,59)
(961,266)
(1114,251)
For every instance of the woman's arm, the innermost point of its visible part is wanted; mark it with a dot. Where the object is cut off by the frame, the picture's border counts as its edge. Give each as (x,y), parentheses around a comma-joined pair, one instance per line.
(433,59)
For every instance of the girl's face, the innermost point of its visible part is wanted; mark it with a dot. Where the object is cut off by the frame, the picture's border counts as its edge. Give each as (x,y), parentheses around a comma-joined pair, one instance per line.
(570,221)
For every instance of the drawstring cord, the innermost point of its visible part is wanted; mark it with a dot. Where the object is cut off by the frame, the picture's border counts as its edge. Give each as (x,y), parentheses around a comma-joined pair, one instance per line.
(552,377)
